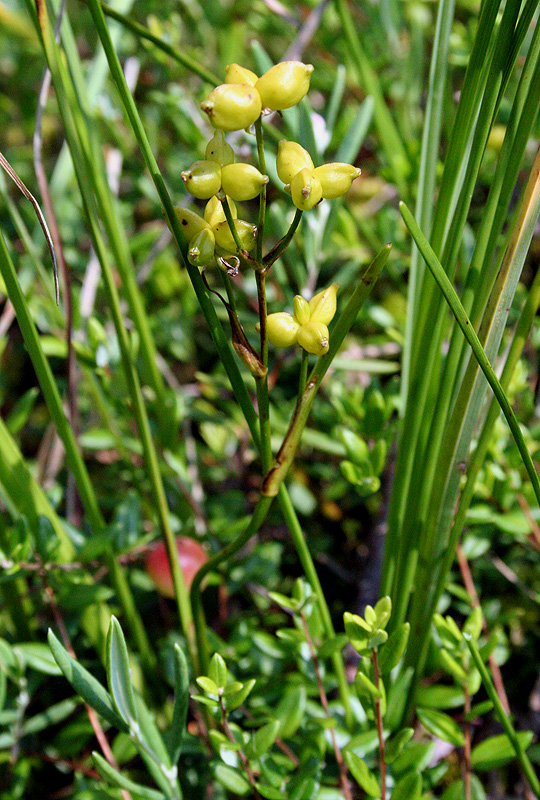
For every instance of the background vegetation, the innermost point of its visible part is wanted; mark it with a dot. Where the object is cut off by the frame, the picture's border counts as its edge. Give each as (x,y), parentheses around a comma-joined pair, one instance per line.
(404,463)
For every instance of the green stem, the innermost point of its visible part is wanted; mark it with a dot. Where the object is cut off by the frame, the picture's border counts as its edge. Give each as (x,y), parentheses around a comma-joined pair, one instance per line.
(427,174)
(263,399)
(229,217)
(275,477)
(297,536)
(229,289)
(259,515)
(509,729)
(379,716)
(178,55)
(262,196)
(282,245)
(49,388)
(304,365)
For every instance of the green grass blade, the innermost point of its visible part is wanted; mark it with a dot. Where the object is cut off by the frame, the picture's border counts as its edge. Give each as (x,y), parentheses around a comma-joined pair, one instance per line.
(464,323)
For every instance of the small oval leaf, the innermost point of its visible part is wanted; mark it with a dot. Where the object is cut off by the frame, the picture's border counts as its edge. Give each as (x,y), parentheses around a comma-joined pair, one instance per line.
(365,779)
(497,750)
(392,651)
(232,779)
(408,788)
(441,725)
(290,711)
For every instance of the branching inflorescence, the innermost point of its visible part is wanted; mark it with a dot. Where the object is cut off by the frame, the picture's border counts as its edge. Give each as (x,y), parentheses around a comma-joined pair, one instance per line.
(219,236)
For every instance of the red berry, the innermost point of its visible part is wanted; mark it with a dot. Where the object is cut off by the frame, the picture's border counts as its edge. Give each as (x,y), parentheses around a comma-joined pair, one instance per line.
(191,555)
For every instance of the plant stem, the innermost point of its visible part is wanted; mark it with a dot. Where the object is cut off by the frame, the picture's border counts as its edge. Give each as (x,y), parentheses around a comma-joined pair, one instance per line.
(467,745)
(74,457)
(324,702)
(177,54)
(263,399)
(259,515)
(229,289)
(380,733)
(152,464)
(304,364)
(241,754)
(262,196)
(223,348)
(300,544)
(230,219)
(283,243)
(49,389)
(504,719)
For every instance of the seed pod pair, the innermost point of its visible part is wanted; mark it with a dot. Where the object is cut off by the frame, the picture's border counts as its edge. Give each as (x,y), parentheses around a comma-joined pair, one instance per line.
(308,327)
(211,235)
(204,179)
(281,87)
(238,102)
(307,184)
(214,216)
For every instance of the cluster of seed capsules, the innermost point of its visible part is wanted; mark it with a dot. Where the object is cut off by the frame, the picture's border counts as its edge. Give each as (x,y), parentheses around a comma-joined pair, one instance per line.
(235,105)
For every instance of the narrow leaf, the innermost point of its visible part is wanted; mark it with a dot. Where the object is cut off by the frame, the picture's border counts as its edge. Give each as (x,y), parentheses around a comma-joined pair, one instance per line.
(217,672)
(181,700)
(91,691)
(112,775)
(465,324)
(119,674)
(236,700)
(393,748)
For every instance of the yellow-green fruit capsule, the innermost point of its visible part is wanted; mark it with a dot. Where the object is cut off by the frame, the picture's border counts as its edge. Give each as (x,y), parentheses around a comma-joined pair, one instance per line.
(284,85)
(336,179)
(218,150)
(242,181)
(201,248)
(224,238)
(302,311)
(233,106)
(203,179)
(323,305)
(306,190)
(313,337)
(282,329)
(214,213)
(291,158)
(190,222)
(234,73)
